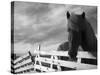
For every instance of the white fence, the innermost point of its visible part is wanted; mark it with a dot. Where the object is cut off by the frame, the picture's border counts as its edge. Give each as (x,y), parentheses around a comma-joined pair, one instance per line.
(25,64)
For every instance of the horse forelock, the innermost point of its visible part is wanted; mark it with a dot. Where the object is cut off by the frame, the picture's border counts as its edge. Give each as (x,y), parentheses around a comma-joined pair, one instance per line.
(77,22)
(75,18)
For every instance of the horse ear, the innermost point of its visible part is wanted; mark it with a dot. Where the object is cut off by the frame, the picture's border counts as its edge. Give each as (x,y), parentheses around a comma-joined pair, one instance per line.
(68,14)
(83,14)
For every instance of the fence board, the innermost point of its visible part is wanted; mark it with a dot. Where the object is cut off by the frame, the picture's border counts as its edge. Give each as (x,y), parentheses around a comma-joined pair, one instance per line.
(20,58)
(43,68)
(69,64)
(24,68)
(22,63)
(81,54)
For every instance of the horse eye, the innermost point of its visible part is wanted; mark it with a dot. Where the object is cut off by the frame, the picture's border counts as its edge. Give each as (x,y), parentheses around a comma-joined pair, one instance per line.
(83,14)
(68,14)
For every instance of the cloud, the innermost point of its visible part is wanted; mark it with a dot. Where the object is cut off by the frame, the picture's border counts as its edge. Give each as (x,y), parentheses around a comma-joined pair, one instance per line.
(45,23)
(40,24)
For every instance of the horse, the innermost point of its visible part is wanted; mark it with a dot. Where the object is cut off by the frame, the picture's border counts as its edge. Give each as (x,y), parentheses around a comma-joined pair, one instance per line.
(80,33)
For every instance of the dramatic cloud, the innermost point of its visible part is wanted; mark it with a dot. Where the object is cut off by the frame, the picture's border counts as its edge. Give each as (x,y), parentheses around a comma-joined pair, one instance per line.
(44,23)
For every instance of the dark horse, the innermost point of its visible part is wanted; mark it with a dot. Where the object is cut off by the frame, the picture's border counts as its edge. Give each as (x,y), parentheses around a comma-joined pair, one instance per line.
(80,34)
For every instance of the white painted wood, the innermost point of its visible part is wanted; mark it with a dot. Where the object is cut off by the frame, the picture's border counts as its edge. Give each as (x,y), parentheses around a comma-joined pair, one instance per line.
(24,68)
(69,64)
(79,60)
(20,58)
(51,63)
(54,60)
(81,54)
(58,64)
(43,68)
(22,63)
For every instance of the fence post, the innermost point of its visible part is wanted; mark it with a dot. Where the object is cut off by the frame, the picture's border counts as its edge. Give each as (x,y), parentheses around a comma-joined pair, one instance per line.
(51,66)
(53,59)
(37,57)
(35,63)
(39,61)
(79,60)
(58,64)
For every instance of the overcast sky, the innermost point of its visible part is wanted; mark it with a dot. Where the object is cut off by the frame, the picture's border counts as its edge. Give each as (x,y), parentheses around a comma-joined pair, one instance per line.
(45,24)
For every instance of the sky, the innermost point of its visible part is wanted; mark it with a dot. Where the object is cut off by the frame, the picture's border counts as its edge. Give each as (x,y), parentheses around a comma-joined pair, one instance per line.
(44,24)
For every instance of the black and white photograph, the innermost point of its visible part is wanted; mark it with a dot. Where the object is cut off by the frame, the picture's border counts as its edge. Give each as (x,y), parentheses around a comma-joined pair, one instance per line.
(53,37)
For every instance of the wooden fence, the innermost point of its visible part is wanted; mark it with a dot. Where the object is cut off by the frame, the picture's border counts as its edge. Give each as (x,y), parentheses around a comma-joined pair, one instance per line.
(49,62)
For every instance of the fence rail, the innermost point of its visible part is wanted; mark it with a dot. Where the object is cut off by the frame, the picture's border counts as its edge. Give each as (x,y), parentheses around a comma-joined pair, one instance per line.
(25,64)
